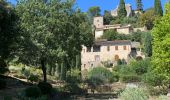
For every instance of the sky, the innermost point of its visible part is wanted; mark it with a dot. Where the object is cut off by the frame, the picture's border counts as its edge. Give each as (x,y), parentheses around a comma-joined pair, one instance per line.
(107,4)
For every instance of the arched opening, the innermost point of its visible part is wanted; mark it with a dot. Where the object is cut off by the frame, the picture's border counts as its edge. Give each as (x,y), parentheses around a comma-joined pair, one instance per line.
(116,57)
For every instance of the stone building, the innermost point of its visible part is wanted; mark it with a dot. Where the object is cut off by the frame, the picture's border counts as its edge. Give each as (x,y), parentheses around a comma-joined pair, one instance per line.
(105,51)
(114,12)
(109,51)
(100,27)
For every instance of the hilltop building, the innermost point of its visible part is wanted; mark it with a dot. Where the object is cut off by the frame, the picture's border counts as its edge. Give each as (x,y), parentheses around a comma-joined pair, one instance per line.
(122,29)
(129,11)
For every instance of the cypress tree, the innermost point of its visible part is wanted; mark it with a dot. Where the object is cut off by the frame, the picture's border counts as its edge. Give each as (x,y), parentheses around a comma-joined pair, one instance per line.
(122,9)
(158,8)
(78,61)
(139,5)
(148,44)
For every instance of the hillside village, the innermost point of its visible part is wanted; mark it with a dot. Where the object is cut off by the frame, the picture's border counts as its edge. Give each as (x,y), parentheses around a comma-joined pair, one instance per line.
(51,50)
(112,52)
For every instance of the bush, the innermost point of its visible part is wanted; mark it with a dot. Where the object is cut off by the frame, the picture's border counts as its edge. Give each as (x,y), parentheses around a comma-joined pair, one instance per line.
(2,84)
(130,78)
(134,94)
(33,92)
(155,91)
(45,87)
(154,79)
(33,78)
(140,67)
(100,75)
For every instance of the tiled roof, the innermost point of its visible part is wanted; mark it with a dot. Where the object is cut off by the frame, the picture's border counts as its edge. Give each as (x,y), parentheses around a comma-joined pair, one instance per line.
(116,42)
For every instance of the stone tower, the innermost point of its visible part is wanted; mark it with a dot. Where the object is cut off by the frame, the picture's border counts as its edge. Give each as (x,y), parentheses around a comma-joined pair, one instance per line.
(98,22)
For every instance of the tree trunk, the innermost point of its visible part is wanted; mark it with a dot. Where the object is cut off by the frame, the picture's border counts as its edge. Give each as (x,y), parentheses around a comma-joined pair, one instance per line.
(44,70)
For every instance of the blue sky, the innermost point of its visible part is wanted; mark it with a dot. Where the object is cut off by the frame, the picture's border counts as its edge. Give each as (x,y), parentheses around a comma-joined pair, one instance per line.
(107,4)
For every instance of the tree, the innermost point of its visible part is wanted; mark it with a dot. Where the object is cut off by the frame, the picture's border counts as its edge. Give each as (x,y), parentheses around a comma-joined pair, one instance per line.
(148,44)
(147,19)
(122,9)
(107,17)
(51,32)
(161,45)
(110,35)
(158,8)
(93,12)
(167,7)
(139,5)
(8,32)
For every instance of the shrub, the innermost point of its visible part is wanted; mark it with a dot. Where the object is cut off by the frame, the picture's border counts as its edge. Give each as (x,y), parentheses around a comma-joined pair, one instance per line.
(107,64)
(134,94)
(25,72)
(140,67)
(33,78)
(2,84)
(100,75)
(154,79)
(155,91)
(45,87)
(33,92)
(130,78)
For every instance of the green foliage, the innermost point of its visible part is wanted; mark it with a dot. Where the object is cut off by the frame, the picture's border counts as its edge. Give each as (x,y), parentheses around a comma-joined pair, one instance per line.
(2,84)
(100,75)
(3,67)
(161,46)
(25,72)
(140,67)
(158,8)
(107,64)
(167,7)
(134,94)
(156,91)
(147,19)
(73,76)
(33,78)
(130,78)
(33,92)
(8,30)
(139,5)
(107,17)
(155,79)
(148,44)
(45,87)
(110,35)
(43,43)
(137,36)
(134,71)
(94,11)
(122,9)
(78,61)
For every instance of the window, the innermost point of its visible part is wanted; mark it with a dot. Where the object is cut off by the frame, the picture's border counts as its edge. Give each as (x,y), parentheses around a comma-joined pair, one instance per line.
(108,48)
(84,65)
(116,48)
(88,49)
(97,58)
(124,48)
(96,48)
